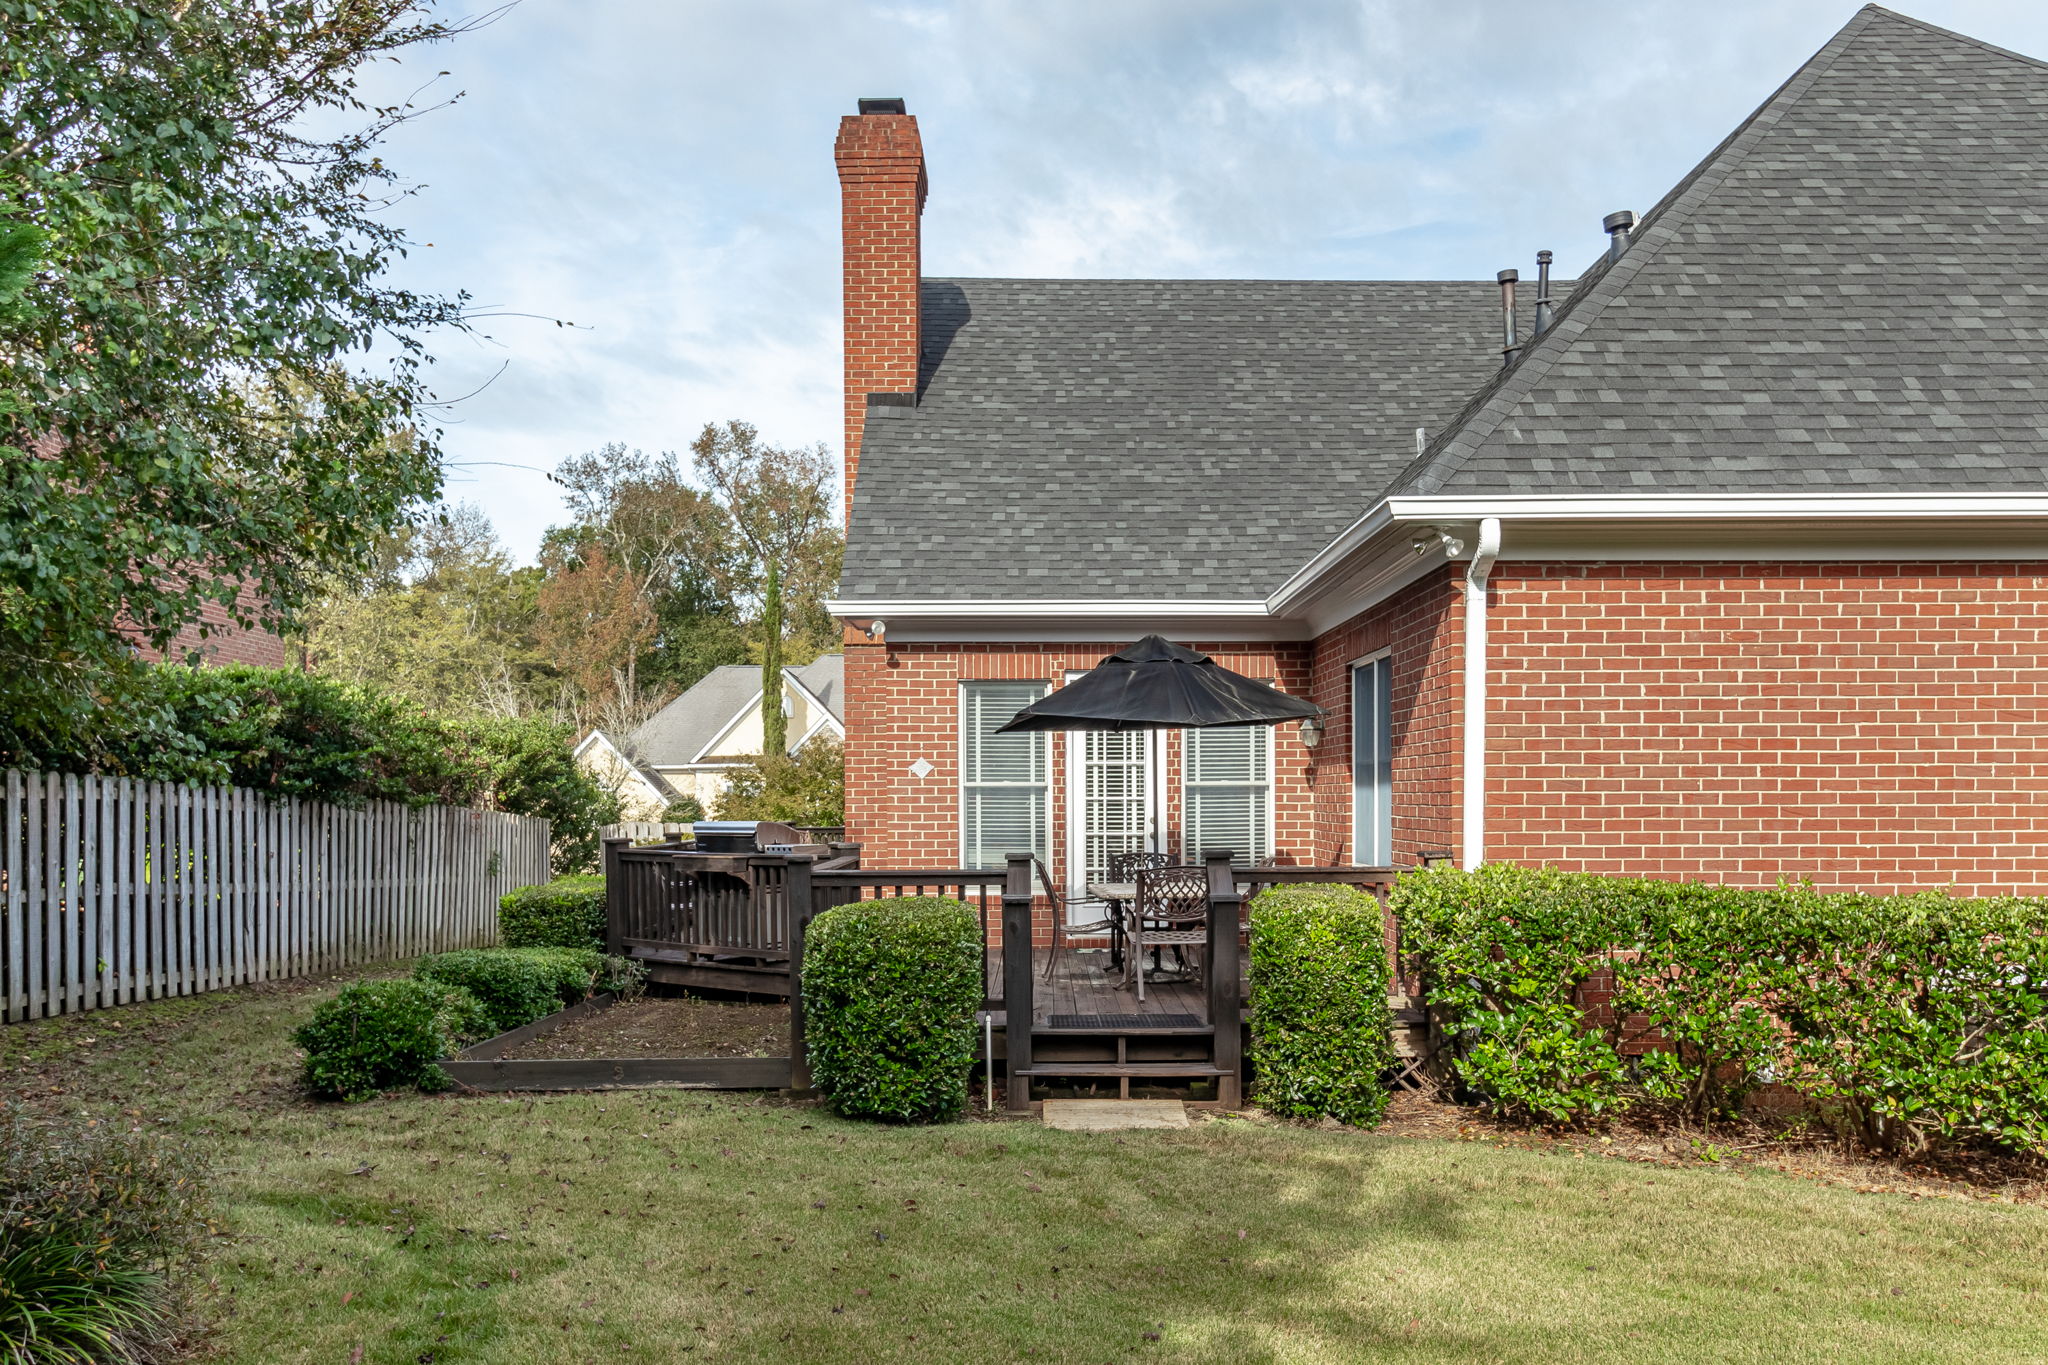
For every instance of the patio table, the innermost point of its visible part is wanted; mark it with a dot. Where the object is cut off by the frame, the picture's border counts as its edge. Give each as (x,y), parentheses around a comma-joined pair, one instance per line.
(1121,895)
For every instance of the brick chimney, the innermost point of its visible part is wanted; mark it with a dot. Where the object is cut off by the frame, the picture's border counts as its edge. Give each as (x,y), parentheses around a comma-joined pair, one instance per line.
(881,195)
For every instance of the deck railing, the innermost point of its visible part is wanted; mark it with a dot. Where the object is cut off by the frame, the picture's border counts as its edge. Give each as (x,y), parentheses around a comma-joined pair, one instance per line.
(740,920)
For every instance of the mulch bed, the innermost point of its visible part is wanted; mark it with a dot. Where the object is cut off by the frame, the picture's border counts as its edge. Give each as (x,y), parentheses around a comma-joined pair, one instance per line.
(1803,1153)
(678,1027)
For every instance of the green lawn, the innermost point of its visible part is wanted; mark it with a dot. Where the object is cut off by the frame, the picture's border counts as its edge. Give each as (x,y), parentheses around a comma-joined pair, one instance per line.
(663,1226)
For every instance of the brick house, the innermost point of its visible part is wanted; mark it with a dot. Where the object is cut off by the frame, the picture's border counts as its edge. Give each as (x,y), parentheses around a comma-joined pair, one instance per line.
(1736,568)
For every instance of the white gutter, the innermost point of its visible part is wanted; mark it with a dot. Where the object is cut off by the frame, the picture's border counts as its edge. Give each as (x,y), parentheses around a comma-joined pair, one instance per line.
(1473,786)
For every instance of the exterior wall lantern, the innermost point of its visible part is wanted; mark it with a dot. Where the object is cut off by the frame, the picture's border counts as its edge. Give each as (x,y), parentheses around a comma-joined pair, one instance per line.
(1311,731)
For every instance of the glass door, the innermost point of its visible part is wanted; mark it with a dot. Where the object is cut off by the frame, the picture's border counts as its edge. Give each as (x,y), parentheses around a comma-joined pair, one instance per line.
(1113,803)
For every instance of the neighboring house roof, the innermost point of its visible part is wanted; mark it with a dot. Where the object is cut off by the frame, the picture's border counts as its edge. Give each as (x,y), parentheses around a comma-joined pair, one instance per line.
(1189,438)
(652,780)
(1846,294)
(825,678)
(682,732)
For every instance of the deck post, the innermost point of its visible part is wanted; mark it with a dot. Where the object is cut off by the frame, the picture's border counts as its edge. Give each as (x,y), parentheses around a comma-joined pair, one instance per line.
(614,897)
(1226,1007)
(1017,976)
(797,893)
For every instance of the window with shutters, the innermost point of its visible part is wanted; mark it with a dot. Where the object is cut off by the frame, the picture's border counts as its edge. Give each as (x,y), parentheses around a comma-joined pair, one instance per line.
(1005,780)
(1372,762)
(1227,796)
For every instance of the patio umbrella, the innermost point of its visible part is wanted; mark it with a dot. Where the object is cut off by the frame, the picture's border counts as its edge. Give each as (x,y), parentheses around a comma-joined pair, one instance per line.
(1157,685)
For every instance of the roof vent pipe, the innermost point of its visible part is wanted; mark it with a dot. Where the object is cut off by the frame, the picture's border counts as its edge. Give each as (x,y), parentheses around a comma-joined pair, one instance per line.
(1510,346)
(1618,226)
(1542,294)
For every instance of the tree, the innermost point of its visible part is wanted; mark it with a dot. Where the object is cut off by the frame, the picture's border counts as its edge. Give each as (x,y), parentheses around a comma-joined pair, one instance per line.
(781,504)
(671,546)
(440,617)
(807,787)
(185,420)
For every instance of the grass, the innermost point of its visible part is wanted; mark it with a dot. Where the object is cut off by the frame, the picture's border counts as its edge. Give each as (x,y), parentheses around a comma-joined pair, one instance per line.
(672,1225)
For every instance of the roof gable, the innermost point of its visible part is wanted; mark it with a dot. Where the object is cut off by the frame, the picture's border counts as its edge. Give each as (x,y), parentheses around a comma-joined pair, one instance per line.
(1846,294)
(1164,438)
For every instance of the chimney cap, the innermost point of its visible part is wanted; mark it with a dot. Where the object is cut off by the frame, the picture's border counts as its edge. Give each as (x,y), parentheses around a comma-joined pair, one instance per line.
(1621,221)
(884,104)
(1508,276)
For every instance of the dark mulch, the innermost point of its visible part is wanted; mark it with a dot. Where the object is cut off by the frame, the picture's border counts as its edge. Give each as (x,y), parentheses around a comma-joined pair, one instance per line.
(1802,1151)
(674,1027)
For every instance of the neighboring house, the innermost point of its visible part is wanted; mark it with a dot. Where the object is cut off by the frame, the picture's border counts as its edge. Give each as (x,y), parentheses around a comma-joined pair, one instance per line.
(1738,570)
(690,746)
(226,642)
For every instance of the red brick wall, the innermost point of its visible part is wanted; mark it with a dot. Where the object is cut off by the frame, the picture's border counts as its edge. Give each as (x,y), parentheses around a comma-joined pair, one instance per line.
(1879,726)
(228,643)
(1863,725)
(881,192)
(903,704)
(1424,626)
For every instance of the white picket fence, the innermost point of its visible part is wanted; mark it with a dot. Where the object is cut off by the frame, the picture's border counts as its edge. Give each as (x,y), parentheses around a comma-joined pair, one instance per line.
(118,891)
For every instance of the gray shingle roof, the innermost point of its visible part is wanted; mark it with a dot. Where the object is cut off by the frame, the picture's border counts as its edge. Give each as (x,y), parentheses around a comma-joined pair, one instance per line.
(825,677)
(1850,293)
(1152,438)
(677,733)
(1847,294)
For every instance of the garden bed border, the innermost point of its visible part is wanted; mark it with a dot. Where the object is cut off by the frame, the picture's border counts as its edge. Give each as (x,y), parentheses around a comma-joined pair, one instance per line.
(485,1066)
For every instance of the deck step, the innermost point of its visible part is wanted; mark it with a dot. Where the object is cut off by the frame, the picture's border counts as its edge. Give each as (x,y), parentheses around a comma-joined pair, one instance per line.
(1133,1069)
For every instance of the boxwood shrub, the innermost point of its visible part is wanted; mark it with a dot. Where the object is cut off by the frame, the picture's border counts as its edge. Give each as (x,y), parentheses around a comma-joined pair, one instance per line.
(565,913)
(1907,1020)
(380,1035)
(890,989)
(516,986)
(1322,1034)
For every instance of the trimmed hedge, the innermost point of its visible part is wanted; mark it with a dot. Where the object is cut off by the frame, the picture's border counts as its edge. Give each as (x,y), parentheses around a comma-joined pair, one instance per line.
(566,913)
(380,1035)
(1322,1034)
(1907,1020)
(516,986)
(890,990)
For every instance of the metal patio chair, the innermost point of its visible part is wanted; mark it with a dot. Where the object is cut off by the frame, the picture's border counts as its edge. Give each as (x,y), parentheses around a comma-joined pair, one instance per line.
(1060,928)
(1172,911)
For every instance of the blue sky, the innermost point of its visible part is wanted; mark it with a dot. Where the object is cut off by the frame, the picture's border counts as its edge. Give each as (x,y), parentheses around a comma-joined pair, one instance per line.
(659,172)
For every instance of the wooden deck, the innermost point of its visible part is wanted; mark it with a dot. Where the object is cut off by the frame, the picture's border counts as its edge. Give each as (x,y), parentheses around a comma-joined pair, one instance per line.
(1083,996)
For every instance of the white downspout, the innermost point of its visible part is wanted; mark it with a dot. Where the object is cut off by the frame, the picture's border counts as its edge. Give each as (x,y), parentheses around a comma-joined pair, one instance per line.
(1473,787)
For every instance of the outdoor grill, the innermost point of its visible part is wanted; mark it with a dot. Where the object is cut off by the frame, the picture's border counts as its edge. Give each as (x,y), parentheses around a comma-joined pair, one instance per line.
(726,836)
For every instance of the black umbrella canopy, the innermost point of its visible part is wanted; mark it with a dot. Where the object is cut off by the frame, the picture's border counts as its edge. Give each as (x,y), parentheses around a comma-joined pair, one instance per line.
(1157,685)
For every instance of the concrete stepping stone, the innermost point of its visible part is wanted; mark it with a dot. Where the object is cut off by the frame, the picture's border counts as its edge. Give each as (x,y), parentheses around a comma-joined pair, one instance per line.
(1106,1116)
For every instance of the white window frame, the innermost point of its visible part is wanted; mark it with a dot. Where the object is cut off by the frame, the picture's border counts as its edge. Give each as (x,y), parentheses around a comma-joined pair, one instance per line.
(1363,735)
(1189,852)
(1044,851)
(1076,814)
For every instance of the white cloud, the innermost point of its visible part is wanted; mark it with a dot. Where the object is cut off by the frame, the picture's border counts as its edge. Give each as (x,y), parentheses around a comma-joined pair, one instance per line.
(659,171)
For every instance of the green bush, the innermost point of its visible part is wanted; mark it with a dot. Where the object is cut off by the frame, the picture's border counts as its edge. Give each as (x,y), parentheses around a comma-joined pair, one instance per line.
(684,810)
(288,733)
(96,1221)
(380,1035)
(806,788)
(566,913)
(516,986)
(1907,1020)
(1321,1031)
(890,990)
